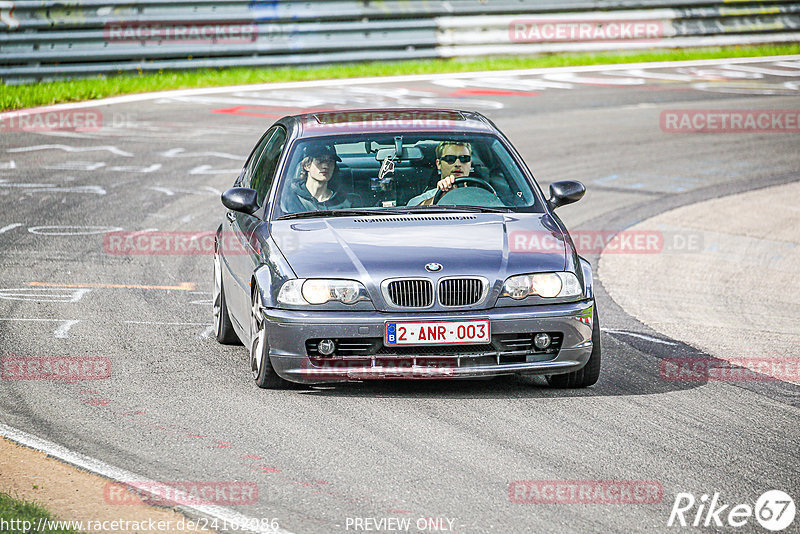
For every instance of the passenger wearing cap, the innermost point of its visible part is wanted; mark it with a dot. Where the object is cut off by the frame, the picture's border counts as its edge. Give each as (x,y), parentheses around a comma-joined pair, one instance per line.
(312,190)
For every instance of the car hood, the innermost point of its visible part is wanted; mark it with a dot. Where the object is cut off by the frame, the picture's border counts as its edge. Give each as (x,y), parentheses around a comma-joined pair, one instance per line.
(372,249)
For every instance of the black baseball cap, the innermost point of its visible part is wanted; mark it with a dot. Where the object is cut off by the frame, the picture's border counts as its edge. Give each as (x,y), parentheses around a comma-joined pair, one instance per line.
(315,150)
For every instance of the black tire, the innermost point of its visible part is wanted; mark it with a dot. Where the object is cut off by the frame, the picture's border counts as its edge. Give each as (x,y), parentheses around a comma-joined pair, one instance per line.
(223,329)
(260,364)
(589,373)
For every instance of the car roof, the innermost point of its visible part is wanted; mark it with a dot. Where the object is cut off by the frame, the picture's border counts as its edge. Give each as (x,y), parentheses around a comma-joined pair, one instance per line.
(388,120)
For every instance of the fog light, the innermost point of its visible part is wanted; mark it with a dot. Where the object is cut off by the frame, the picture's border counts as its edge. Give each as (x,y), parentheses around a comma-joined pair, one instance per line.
(542,341)
(326,347)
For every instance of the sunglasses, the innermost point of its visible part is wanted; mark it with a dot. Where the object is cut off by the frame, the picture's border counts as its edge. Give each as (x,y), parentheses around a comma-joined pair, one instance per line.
(450,159)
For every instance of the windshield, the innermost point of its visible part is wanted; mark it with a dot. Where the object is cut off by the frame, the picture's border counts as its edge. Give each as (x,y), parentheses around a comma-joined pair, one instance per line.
(385,172)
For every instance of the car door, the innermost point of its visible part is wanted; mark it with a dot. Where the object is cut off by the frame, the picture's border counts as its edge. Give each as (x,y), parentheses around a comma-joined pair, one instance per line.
(259,175)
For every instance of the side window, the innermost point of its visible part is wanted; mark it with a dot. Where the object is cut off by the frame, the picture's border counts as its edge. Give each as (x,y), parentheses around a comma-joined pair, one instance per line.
(254,157)
(264,170)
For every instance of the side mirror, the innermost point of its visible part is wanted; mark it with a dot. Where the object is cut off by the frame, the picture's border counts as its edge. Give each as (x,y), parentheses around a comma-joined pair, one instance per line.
(566,192)
(242,199)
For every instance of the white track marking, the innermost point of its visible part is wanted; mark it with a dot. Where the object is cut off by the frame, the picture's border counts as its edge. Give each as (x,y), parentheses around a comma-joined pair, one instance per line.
(181,153)
(72,135)
(743,88)
(4,183)
(640,336)
(62,332)
(35,319)
(788,64)
(76,166)
(510,83)
(54,188)
(352,97)
(93,189)
(8,165)
(794,72)
(152,168)
(718,74)
(116,474)
(206,169)
(653,75)
(364,96)
(9,227)
(164,190)
(39,294)
(67,148)
(72,230)
(202,190)
(571,77)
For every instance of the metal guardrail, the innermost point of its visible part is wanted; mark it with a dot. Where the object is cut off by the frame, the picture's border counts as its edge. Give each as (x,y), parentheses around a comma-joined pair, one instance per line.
(42,40)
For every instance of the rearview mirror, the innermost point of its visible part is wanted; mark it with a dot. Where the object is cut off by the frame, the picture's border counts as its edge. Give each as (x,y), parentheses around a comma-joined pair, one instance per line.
(565,192)
(410,153)
(241,199)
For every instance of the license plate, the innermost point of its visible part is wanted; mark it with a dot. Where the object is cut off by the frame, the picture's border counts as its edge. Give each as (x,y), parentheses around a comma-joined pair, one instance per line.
(438,333)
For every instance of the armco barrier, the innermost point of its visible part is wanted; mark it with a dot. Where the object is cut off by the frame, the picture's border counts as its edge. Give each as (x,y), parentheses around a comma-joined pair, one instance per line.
(42,40)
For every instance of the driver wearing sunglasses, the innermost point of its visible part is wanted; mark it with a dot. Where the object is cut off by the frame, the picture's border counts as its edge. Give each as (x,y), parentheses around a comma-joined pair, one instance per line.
(454,160)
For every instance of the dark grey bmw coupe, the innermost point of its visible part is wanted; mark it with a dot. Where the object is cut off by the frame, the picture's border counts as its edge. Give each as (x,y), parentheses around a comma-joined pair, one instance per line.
(400,244)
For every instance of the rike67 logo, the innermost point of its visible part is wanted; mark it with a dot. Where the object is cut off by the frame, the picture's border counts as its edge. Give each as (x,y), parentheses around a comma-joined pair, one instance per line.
(774,510)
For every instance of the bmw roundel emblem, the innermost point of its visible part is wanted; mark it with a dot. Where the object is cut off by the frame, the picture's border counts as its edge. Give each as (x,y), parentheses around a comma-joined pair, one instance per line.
(433,267)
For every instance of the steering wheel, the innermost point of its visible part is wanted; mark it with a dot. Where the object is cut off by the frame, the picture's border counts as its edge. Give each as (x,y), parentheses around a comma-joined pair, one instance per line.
(463,180)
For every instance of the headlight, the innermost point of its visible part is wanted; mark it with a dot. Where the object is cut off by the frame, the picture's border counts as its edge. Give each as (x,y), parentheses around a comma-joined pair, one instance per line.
(301,291)
(290,293)
(547,285)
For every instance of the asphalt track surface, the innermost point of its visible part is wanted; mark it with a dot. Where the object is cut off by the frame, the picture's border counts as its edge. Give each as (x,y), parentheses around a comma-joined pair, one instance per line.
(180,407)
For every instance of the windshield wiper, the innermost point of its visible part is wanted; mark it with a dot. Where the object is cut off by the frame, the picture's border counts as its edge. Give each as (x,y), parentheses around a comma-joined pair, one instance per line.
(395,211)
(331,213)
(435,208)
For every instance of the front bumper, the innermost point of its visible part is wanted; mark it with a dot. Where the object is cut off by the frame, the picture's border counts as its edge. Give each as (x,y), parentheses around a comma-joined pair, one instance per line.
(288,330)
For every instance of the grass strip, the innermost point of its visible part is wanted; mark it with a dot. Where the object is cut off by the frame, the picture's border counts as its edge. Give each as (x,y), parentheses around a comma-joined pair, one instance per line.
(48,93)
(22,517)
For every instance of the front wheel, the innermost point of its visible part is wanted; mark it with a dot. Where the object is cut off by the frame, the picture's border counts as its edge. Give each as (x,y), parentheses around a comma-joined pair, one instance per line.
(260,365)
(589,373)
